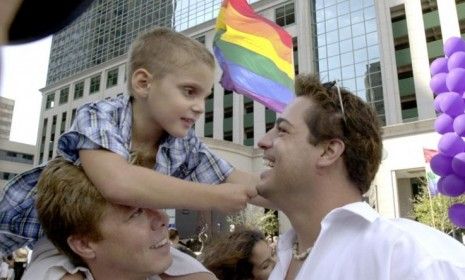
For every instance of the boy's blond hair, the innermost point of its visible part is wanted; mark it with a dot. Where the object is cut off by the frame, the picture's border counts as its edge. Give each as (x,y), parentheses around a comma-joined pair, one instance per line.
(68,204)
(162,50)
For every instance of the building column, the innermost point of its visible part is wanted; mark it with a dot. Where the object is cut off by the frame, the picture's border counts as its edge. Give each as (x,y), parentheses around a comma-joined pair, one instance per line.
(238,119)
(259,122)
(419,57)
(448,18)
(391,94)
(304,16)
(218,111)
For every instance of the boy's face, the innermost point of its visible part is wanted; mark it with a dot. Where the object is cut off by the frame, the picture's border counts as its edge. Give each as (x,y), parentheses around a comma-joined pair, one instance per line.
(134,241)
(176,101)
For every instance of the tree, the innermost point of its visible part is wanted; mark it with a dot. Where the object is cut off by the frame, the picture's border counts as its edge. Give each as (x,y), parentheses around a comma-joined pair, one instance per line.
(433,210)
(253,217)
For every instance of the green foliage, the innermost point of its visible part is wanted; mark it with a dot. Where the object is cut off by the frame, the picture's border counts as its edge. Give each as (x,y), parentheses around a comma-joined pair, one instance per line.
(269,224)
(253,217)
(432,210)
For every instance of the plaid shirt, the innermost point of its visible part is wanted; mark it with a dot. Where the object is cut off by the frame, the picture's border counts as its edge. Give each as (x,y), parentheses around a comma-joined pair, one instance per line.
(102,125)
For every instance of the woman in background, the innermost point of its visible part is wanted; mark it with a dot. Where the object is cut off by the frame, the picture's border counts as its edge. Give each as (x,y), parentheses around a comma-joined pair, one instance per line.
(241,255)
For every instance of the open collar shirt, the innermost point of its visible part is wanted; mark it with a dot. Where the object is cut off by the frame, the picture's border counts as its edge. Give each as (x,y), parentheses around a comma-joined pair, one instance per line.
(355,242)
(105,124)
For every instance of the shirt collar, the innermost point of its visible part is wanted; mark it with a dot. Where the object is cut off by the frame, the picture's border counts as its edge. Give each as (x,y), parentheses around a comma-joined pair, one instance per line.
(360,209)
(351,210)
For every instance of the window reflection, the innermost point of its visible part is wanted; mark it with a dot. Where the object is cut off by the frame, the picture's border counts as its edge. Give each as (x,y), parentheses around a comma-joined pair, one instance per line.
(348,48)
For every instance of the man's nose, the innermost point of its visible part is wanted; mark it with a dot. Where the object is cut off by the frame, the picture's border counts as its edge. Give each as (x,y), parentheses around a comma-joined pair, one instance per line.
(266,140)
(158,219)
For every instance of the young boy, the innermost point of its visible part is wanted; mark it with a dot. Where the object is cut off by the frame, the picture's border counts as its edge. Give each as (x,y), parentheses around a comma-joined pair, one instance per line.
(169,77)
(104,240)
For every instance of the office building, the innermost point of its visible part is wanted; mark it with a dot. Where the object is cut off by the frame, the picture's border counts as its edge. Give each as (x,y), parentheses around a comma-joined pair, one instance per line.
(14,157)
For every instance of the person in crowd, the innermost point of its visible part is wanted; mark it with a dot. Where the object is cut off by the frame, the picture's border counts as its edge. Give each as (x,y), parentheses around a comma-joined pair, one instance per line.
(176,242)
(323,154)
(240,255)
(4,266)
(20,262)
(104,240)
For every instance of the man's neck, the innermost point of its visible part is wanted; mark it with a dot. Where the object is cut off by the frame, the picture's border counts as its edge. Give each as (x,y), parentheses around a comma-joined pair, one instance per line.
(307,210)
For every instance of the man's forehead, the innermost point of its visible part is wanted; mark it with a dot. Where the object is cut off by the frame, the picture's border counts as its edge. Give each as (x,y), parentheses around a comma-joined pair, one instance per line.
(297,109)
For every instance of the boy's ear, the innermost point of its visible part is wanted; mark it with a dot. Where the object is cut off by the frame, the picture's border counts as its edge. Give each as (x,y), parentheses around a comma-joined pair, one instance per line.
(332,150)
(82,246)
(141,81)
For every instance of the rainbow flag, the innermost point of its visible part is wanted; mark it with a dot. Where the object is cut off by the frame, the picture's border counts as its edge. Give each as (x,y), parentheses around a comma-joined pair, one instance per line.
(256,55)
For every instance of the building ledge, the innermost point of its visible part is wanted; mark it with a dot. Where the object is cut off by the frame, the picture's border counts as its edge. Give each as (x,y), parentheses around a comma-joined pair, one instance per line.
(410,128)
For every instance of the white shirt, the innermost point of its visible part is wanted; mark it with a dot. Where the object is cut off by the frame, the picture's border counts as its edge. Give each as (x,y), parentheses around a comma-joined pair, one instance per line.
(3,269)
(355,242)
(49,264)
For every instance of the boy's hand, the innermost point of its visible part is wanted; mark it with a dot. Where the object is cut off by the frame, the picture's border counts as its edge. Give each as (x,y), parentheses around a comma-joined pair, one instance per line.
(232,197)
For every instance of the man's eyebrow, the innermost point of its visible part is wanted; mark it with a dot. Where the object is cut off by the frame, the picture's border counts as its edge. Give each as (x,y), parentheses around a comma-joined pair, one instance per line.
(280,120)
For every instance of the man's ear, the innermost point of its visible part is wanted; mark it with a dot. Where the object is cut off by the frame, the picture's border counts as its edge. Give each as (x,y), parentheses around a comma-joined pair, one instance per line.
(81,246)
(141,81)
(332,150)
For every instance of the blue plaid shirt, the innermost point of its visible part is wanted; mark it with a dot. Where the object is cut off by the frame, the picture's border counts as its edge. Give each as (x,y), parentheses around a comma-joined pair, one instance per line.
(102,125)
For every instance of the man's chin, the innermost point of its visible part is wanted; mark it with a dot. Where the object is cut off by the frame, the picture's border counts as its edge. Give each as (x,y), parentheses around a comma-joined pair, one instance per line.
(263,189)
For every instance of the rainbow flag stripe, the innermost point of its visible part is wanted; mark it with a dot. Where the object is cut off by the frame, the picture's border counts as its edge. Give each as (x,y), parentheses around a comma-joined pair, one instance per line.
(256,55)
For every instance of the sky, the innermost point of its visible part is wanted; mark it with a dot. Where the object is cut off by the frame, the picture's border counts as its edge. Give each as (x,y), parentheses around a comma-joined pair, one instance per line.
(23,72)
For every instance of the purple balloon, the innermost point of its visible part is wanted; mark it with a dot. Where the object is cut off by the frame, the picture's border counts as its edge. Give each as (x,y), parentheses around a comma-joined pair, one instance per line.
(458,164)
(443,124)
(439,65)
(457,214)
(441,164)
(437,102)
(452,103)
(454,44)
(459,125)
(451,144)
(456,60)
(452,185)
(438,83)
(454,80)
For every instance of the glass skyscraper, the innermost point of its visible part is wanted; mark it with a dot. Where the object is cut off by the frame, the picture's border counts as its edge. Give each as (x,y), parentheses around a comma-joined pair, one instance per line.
(104,32)
(347,48)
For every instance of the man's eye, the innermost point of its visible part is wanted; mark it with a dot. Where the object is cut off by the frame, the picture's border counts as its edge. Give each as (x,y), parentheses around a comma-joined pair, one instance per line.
(281,130)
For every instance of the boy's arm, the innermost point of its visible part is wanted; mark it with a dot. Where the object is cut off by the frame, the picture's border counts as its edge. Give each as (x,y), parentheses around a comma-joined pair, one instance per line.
(122,183)
(249,179)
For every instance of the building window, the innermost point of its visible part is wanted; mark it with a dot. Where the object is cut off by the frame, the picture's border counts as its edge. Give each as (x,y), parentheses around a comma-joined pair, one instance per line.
(50,100)
(42,142)
(7,175)
(73,115)
(201,39)
(228,136)
(64,95)
(78,90)
(63,123)
(112,78)
(94,84)
(16,157)
(295,50)
(284,15)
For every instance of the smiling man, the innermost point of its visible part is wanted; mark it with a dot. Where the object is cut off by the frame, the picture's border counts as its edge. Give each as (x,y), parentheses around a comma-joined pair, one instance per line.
(103,240)
(323,154)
